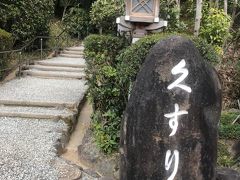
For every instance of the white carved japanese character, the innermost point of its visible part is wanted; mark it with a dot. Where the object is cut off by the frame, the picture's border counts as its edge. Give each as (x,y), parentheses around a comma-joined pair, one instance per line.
(179,69)
(169,160)
(173,123)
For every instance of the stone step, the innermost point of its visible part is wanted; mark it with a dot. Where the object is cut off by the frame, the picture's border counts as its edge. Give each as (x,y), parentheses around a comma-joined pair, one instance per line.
(54,74)
(31,103)
(35,112)
(73,52)
(71,55)
(60,64)
(43,92)
(80,48)
(53,68)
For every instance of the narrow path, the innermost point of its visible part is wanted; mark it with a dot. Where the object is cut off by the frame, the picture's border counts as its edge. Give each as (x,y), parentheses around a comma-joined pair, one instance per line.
(37,112)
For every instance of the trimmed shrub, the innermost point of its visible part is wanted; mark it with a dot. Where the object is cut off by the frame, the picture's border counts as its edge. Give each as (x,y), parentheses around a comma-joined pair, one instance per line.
(77,21)
(110,75)
(100,53)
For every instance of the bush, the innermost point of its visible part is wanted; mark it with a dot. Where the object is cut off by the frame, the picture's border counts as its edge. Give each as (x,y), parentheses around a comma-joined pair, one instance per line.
(77,21)
(100,53)
(57,28)
(6,40)
(110,75)
(26,19)
(106,130)
(215,27)
(227,129)
(6,43)
(104,13)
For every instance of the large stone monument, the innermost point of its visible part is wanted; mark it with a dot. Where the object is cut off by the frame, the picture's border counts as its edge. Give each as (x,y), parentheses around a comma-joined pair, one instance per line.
(169,130)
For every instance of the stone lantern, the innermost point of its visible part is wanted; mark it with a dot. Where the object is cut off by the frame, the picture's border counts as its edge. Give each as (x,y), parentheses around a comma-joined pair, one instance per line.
(141,17)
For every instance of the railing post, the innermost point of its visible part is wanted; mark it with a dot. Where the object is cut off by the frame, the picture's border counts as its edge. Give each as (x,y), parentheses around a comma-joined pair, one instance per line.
(56,46)
(67,41)
(41,47)
(19,63)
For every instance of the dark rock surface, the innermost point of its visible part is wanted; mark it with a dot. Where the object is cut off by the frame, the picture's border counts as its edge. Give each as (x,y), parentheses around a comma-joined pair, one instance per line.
(227,174)
(97,161)
(236,149)
(145,134)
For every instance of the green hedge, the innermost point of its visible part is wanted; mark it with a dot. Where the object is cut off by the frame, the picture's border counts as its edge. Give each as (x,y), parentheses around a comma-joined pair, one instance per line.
(111,70)
(100,54)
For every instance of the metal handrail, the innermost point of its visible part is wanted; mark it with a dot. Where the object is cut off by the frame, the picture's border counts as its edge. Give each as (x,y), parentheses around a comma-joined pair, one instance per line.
(25,46)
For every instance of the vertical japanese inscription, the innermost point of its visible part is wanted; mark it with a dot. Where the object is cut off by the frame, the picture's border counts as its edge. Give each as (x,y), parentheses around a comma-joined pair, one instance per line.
(170,157)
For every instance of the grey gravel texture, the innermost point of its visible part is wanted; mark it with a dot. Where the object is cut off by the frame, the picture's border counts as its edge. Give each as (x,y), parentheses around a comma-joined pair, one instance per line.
(43,90)
(28,148)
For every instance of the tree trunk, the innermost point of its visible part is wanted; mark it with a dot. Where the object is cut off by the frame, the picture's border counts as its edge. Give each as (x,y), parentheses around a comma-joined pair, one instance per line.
(198,17)
(64,12)
(225,6)
(100,30)
(210,3)
(217,4)
(178,8)
(235,3)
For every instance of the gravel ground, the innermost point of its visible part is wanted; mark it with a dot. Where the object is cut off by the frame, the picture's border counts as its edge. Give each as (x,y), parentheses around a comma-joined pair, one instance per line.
(29,155)
(29,146)
(43,90)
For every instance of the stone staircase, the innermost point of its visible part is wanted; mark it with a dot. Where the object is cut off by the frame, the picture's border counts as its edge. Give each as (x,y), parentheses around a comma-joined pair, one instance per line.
(69,65)
(45,101)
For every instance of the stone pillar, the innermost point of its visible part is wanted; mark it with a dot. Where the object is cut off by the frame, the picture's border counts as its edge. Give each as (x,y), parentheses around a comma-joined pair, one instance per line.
(169,130)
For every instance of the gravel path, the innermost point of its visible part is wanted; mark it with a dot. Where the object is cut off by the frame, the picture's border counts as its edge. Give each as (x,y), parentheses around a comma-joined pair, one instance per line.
(29,145)
(43,90)
(28,148)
